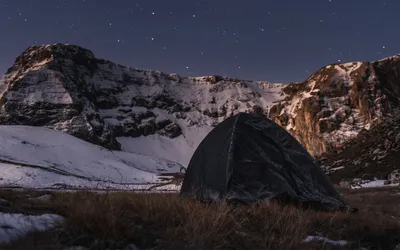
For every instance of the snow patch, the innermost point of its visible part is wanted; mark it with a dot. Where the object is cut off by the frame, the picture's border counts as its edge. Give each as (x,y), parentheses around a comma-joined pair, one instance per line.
(347,130)
(14,226)
(345,70)
(43,198)
(325,240)
(374,184)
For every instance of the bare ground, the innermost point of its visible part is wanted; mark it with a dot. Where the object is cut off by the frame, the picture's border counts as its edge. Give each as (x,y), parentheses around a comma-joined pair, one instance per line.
(164,221)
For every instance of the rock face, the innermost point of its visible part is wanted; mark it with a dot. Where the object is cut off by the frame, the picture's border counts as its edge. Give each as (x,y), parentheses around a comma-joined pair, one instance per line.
(371,154)
(339,101)
(65,87)
(394,177)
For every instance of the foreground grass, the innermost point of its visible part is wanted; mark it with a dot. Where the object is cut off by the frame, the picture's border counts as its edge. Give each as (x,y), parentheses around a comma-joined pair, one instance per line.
(163,221)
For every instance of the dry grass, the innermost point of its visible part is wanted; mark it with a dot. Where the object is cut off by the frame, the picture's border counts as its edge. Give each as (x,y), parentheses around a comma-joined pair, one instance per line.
(164,221)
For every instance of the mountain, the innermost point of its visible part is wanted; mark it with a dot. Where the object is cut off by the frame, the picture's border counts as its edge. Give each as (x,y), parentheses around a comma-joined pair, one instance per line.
(165,116)
(64,87)
(338,102)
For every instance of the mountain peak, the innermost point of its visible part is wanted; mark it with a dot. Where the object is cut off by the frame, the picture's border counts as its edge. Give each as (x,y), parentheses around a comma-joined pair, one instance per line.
(57,49)
(395,57)
(36,56)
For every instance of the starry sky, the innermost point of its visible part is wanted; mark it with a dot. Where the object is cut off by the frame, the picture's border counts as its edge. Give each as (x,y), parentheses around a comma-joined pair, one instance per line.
(277,41)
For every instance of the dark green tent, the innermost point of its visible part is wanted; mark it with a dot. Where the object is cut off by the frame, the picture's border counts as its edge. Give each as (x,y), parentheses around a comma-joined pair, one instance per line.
(249,158)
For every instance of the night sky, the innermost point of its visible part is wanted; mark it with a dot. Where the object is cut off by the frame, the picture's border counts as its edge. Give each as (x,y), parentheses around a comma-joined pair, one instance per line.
(278,41)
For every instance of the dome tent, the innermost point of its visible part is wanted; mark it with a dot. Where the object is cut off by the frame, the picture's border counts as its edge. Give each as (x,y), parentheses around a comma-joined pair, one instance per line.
(250,158)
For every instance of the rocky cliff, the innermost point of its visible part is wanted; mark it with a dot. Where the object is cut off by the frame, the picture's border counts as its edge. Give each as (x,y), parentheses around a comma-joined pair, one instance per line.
(339,101)
(65,87)
(371,154)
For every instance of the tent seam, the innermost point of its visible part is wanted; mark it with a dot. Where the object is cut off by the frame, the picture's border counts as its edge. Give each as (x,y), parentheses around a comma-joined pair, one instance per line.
(230,148)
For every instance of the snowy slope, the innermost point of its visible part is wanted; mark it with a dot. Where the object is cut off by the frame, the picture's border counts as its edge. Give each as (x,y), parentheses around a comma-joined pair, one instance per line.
(195,124)
(179,149)
(66,88)
(43,158)
(192,104)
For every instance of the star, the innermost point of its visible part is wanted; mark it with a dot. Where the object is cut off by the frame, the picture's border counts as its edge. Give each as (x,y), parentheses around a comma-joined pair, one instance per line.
(259,33)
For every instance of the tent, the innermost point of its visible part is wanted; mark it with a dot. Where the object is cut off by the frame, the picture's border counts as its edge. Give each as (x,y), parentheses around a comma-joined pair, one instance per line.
(249,158)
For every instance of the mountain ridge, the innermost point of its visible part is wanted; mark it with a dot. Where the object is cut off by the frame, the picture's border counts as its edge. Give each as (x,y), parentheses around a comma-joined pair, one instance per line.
(65,87)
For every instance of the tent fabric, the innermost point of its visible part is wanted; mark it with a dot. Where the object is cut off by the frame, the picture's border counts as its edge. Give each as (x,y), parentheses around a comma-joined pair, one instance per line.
(249,158)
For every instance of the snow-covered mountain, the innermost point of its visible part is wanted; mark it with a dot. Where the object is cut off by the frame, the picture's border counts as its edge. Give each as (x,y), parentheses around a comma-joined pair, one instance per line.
(165,116)
(339,101)
(66,88)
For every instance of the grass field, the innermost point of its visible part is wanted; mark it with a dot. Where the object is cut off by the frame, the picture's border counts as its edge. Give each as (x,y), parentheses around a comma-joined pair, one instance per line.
(163,221)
